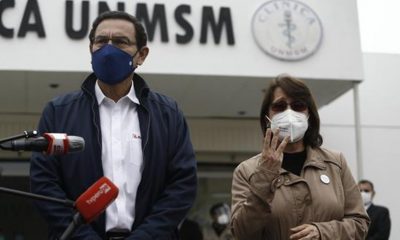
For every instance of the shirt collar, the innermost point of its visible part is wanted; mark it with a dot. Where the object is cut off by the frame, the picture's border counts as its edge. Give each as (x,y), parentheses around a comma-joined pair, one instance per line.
(131,94)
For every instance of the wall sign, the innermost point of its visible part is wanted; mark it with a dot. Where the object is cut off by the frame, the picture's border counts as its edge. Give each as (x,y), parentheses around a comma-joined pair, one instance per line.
(287,30)
(214,22)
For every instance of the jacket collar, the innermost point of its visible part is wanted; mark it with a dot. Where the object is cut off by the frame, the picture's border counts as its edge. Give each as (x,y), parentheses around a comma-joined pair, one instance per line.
(131,95)
(141,88)
(314,159)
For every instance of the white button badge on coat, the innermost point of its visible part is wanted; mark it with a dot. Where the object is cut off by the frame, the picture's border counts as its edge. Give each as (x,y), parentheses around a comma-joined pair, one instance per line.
(325,179)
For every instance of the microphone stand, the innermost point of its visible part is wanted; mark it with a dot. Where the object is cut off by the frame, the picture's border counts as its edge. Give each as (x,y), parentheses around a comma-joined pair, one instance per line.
(29,134)
(25,134)
(65,202)
(76,221)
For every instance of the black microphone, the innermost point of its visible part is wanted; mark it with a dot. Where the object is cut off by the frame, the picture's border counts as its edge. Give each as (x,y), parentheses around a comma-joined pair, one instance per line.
(50,143)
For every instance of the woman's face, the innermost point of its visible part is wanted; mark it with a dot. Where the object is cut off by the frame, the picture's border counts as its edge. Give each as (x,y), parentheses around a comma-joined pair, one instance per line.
(281,102)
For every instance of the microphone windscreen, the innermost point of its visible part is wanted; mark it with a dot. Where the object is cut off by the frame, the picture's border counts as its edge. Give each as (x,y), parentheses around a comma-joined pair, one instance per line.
(75,144)
(96,199)
(61,143)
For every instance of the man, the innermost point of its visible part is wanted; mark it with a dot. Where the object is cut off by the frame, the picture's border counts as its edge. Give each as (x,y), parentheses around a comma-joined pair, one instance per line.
(137,138)
(220,214)
(379,215)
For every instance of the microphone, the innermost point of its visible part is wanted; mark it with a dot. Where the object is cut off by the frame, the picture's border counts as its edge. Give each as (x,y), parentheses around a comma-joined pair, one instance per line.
(91,204)
(50,143)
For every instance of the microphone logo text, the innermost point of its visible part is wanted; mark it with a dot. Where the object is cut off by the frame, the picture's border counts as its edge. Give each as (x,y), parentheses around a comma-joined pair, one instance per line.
(103,189)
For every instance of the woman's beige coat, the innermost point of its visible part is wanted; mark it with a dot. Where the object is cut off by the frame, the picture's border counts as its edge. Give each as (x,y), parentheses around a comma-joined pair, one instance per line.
(265,204)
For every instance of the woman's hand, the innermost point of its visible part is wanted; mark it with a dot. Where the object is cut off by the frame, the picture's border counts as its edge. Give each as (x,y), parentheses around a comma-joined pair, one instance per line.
(272,153)
(305,232)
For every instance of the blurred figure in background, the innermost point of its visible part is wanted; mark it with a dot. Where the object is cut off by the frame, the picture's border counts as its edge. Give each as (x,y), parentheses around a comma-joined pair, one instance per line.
(379,229)
(190,230)
(219,229)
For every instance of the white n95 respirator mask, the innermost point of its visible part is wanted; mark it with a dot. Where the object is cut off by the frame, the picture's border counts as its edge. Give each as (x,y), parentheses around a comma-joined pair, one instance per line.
(290,123)
(366,197)
(223,219)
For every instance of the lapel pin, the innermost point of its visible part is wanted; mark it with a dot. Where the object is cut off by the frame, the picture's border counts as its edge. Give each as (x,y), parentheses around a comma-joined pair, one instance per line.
(325,179)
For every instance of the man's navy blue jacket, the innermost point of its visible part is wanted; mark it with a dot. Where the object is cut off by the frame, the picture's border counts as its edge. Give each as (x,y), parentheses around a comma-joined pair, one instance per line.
(168,186)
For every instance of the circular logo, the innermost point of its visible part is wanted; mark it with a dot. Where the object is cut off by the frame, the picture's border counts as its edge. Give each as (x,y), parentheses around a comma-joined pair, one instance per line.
(325,179)
(287,30)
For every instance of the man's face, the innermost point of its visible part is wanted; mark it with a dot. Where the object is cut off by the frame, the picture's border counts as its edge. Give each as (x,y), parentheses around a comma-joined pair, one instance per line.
(365,187)
(118,32)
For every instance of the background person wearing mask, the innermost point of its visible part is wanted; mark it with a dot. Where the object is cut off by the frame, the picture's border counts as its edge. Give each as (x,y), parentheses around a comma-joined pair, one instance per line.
(379,228)
(295,189)
(137,138)
(219,228)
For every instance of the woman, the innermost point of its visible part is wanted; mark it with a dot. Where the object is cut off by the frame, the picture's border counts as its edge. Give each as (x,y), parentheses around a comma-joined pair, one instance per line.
(295,189)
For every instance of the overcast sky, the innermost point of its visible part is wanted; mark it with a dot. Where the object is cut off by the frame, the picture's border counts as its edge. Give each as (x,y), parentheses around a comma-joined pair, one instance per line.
(379,25)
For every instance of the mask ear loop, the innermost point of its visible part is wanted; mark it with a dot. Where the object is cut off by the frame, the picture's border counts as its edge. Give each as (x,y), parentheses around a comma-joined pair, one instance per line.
(269,121)
(133,57)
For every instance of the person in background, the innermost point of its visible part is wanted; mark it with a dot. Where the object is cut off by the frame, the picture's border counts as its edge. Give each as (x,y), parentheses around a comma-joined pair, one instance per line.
(137,138)
(190,230)
(295,189)
(219,228)
(379,215)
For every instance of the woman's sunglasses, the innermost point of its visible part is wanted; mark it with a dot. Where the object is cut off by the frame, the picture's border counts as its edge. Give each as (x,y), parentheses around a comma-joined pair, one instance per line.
(280,106)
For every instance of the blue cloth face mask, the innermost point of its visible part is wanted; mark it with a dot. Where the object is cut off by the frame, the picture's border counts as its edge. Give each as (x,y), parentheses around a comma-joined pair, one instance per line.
(112,65)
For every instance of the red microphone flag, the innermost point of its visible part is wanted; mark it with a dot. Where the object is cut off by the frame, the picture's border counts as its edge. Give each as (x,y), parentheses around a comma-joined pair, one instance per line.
(96,199)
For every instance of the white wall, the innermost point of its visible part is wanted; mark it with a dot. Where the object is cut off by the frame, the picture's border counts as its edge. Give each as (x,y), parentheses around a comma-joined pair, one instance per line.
(380,114)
